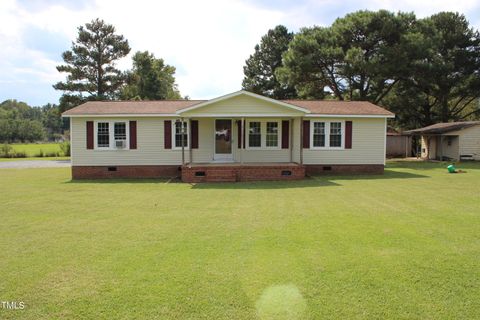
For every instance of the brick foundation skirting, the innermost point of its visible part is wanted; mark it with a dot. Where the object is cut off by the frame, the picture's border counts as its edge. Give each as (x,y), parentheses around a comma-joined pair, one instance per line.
(242,173)
(347,169)
(105,172)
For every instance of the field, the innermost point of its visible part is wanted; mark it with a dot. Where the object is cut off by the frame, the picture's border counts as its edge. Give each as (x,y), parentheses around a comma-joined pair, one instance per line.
(405,245)
(33,149)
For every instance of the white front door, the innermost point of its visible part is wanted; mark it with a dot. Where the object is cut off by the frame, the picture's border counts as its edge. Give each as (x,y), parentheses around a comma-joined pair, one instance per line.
(223,140)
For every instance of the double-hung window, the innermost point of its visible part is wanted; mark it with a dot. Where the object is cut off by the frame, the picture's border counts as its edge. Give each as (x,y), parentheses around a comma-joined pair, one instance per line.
(263,134)
(335,134)
(254,134)
(319,134)
(120,131)
(181,134)
(272,134)
(327,135)
(111,135)
(103,135)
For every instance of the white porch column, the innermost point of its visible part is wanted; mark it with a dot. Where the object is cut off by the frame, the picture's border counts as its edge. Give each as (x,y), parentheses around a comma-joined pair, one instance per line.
(301,140)
(182,130)
(190,135)
(242,139)
(290,139)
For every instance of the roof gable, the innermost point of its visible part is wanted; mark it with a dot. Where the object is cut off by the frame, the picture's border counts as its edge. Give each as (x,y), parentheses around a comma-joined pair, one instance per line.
(261,103)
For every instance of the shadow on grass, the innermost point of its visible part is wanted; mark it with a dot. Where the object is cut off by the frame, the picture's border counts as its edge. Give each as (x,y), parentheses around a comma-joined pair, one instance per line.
(125,180)
(309,182)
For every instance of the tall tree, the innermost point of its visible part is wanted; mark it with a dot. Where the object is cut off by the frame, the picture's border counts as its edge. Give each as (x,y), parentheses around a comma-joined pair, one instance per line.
(444,84)
(260,67)
(360,57)
(150,79)
(90,65)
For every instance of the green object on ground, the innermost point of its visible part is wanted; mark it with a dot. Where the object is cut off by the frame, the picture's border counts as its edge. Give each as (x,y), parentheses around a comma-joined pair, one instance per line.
(451,168)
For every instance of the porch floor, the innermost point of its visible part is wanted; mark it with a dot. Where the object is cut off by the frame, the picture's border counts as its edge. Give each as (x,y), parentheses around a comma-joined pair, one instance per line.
(235,171)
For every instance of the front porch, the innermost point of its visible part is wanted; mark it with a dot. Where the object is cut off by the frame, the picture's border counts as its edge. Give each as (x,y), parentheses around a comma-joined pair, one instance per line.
(232,172)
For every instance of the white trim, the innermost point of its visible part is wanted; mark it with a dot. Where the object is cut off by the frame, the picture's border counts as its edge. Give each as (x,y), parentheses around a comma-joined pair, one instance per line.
(263,134)
(225,115)
(174,147)
(121,115)
(327,135)
(385,144)
(225,157)
(318,115)
(111,135)
(243,92)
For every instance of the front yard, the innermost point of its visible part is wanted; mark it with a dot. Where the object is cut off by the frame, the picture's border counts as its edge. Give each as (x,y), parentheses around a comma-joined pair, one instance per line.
(402,245)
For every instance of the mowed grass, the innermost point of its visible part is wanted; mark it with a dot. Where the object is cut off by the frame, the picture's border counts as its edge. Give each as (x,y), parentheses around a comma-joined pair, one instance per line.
(405,245)
(33,149)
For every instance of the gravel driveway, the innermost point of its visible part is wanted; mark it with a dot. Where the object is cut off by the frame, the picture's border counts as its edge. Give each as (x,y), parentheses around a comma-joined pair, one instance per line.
(23,164)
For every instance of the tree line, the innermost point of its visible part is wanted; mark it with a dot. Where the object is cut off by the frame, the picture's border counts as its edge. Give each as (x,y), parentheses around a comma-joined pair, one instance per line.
(424,70)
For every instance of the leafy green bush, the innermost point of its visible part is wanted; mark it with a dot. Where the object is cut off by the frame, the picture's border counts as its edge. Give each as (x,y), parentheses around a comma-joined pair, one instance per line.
(7,151)
(65,147)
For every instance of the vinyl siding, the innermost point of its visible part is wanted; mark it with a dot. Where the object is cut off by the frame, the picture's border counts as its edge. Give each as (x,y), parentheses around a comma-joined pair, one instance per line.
(469,142)
(242,105)
(150,147)
(368,144)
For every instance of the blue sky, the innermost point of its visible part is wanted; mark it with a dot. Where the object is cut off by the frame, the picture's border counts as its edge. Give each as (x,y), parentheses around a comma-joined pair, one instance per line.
(207,41)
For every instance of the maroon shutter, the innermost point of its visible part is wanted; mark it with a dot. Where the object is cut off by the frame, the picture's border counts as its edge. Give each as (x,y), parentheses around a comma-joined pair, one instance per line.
(306,133)
(167,134)
(89,134)
(285,133)
(239,134)
(348,134)
(133,134)
(194,131)
(244,124)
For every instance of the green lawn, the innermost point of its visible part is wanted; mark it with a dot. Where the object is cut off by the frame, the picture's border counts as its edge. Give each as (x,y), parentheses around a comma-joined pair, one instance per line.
(405,245)
(33,149)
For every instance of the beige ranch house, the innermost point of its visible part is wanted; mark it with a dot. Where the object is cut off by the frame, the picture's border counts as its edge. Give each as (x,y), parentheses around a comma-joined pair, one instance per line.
(241,136)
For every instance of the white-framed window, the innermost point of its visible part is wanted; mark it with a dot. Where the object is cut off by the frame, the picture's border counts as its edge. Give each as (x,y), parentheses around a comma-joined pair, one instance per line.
(327,134)
(263,134)
(254,134)
(180,131)
(318,139)
(272,134)
(111,135)
(103,135)
(335,135)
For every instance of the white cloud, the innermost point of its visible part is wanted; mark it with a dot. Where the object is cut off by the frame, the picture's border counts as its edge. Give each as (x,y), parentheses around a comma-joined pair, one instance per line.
(208,41)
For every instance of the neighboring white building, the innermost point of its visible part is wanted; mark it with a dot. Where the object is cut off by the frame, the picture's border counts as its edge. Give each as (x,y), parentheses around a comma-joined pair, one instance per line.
(450,140)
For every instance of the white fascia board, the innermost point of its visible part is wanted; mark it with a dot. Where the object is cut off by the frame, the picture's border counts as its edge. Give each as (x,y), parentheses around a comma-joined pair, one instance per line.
(243,92)
(347,116)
